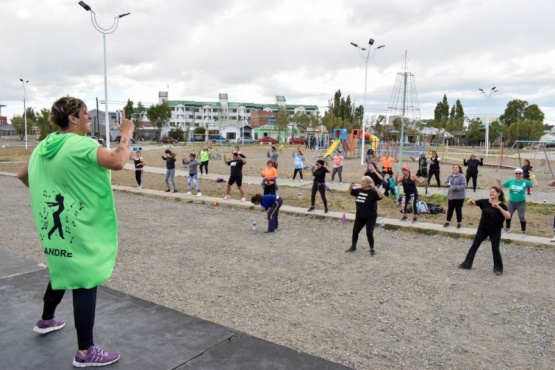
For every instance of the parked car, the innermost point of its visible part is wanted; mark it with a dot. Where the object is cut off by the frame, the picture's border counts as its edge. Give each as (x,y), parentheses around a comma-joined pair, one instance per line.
(218,139)
(96,138)
(267,140)
(297,140)
(246,140)
(118,139)
(167,140)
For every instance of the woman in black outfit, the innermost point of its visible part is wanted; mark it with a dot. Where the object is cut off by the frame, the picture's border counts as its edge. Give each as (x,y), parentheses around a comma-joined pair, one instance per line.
(472,170)
(367,197)
(375,175)
(494,213)
(409,182)
(319,171)
(139,162)
(434,162)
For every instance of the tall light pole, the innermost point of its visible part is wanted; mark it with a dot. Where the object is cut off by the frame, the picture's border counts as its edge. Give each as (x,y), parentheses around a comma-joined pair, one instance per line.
(24,108)
(487,96)
(366,55)
(104,32)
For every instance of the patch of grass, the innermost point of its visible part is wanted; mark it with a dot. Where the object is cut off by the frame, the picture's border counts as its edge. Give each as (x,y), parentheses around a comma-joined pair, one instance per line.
(543,209)
(428,232)
(391,227)
(434,199)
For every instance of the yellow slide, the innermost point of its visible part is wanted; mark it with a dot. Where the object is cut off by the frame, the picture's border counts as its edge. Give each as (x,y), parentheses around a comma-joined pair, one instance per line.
(332,148)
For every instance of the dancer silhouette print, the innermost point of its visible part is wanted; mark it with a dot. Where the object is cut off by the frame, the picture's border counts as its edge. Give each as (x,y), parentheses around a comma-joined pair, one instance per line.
(56,216)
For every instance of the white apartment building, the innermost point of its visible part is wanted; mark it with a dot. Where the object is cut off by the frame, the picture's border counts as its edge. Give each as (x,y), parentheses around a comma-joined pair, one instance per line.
(212,115)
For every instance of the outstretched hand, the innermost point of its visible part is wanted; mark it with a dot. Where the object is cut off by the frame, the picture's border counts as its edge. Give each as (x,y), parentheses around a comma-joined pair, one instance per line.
(126,126)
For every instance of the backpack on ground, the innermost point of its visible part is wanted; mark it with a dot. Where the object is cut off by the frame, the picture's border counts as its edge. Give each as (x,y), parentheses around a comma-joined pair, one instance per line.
(434,209)
(422,207)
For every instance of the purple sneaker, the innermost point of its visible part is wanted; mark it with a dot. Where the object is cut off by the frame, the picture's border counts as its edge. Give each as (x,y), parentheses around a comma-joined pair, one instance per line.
(95,357)
(47,326)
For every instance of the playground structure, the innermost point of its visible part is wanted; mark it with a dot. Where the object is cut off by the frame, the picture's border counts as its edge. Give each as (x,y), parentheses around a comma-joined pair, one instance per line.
(348,143)
(531,156)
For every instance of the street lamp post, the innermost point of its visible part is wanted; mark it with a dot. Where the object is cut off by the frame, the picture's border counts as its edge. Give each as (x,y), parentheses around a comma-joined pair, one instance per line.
(23,82)
(104,32)
(487,95)
(366,55)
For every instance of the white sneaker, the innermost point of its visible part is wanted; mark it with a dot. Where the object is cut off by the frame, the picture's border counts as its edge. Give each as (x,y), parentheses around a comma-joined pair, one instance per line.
(301,180)
(506,231)
(188,193)
(199,194)
(553,240)
(139,187)
(243,199)
(226,197)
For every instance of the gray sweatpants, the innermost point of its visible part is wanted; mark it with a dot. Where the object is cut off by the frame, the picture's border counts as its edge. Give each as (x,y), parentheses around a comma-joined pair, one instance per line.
(520,207)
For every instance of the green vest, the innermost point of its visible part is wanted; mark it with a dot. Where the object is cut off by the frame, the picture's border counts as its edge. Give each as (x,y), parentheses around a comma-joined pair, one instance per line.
(73,207)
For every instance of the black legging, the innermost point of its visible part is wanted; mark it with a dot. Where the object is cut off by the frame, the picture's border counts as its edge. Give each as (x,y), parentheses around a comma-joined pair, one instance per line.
(138,176)
(299,171)
(414,203)
(321,188)
(205,165)
(360,222)
(436,174)
(84,308)
(270,189)
(495,238)
(474,177)
(454,205)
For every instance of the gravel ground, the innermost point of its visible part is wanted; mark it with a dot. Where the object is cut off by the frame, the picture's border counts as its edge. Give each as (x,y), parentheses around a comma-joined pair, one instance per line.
(408,307)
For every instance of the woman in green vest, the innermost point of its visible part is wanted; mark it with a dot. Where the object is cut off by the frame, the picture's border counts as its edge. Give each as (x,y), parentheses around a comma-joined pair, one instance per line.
(72,201)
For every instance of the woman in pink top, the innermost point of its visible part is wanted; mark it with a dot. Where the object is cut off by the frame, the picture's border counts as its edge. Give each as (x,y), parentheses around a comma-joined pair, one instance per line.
(337,166)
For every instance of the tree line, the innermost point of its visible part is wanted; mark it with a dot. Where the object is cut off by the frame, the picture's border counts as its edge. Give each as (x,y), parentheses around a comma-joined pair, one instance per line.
(519,121)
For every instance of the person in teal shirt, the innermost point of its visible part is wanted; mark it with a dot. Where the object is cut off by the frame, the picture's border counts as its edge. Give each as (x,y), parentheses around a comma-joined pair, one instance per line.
(517,198)
(72,202)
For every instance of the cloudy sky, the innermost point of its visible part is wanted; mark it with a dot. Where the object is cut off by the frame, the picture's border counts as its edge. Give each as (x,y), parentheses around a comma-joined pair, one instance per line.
(255,50)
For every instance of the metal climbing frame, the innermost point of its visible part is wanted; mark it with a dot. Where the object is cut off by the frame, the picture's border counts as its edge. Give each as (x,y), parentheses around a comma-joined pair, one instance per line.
(540,146)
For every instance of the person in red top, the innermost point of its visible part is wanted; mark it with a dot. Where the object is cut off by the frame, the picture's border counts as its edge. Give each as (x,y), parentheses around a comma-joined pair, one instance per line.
(387,163)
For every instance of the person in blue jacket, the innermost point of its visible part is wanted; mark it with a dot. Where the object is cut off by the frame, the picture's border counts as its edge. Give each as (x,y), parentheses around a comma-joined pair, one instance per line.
(271,203)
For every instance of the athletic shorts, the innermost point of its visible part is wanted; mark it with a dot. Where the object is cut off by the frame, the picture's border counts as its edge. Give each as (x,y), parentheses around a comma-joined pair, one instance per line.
(235,179)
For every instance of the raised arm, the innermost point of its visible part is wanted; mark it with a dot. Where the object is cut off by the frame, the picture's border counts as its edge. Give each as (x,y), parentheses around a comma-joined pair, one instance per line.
(350,189)
(116,160)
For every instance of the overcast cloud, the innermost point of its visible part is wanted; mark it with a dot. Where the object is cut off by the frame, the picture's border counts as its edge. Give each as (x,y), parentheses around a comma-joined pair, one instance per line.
(255,50)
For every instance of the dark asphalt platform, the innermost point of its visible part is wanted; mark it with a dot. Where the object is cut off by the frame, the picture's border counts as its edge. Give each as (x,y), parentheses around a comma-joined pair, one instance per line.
(146,335)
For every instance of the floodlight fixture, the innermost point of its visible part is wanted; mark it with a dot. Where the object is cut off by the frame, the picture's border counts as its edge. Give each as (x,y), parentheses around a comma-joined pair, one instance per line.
(84,6)
(366,55)
(104,32)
